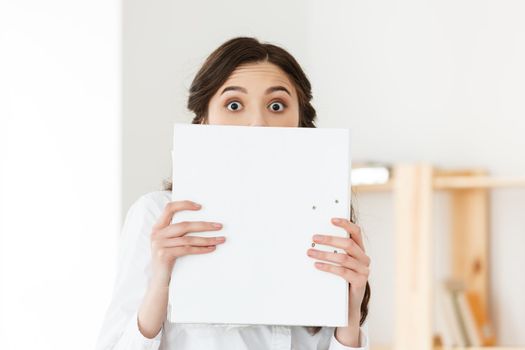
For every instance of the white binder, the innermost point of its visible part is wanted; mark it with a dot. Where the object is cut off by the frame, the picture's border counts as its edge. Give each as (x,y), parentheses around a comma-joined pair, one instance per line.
(272,188)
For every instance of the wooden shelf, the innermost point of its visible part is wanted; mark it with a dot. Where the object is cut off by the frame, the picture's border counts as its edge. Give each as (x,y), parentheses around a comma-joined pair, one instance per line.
(413,187)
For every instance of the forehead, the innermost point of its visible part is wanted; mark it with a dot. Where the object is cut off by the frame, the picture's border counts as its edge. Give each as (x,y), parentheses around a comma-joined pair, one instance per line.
(252,74)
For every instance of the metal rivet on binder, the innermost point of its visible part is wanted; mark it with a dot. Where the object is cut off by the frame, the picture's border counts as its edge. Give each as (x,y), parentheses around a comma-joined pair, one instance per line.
(313,207)
(313,244)
(335,251)
(337,201)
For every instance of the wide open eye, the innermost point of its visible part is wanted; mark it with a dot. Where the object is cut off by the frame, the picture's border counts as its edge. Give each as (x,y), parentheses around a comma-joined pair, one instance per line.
(234,106)
(277,106)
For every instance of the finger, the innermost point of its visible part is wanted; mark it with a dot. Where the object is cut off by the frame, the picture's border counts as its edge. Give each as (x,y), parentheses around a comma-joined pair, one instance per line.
(184,227)
(193,241)
(353,229)
(170,209)
(343,259)
(350,276)
(188,250)
(348,244)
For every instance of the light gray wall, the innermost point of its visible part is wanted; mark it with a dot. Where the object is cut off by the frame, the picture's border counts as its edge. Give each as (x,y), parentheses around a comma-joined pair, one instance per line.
(164,45)
(439,81)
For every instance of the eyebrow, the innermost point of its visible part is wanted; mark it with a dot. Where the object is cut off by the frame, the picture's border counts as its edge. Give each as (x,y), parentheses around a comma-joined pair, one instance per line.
(269,90)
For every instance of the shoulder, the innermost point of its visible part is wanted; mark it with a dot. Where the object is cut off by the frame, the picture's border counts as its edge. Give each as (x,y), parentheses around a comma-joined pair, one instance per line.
(155,198)
(143,213)
(151,203)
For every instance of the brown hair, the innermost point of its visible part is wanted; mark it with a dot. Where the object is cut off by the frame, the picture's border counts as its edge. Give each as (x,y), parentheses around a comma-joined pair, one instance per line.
(217,68)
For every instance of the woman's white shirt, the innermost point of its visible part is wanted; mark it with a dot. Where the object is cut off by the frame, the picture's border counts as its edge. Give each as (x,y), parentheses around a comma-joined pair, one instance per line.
(120,330)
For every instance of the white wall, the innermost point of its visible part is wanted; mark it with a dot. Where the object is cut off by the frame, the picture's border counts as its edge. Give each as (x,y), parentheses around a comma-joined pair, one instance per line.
(439,81)
(60,170)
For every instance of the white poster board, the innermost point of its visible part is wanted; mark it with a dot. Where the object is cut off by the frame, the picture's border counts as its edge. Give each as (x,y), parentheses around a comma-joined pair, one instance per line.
(272,188)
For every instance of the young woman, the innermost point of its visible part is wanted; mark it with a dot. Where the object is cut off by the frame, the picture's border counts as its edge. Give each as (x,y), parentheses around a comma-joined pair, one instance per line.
(243,82)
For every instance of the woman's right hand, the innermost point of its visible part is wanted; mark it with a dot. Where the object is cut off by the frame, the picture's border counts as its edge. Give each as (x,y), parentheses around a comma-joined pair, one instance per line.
(168,241)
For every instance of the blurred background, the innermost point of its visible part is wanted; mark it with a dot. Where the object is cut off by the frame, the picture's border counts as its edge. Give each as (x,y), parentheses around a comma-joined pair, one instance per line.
(89,92)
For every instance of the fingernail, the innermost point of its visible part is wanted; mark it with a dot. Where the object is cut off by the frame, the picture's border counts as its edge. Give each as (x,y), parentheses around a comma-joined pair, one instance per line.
(196,205)
(336,220)
(216,224)
(318,238)
(221,239)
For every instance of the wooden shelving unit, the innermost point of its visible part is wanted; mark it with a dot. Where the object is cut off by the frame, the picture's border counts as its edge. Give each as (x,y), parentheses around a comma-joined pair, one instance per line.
(413,187)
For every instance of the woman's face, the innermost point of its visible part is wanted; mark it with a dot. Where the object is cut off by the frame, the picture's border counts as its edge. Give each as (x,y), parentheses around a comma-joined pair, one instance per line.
(255,94)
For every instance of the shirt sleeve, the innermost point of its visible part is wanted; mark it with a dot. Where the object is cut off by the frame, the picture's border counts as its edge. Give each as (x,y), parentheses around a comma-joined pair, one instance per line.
(120,329)
(363,340)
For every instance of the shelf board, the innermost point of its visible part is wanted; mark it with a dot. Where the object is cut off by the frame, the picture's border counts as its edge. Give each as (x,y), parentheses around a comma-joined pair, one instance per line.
(385,187)
(466,182)
(453,183)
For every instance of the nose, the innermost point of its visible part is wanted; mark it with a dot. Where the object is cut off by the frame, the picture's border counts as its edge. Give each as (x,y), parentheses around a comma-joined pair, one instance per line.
(258,119)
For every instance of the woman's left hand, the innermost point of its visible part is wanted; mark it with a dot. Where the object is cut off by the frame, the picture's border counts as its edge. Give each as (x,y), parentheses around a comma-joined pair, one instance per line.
(353,265)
